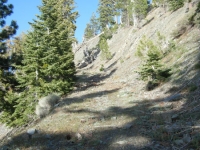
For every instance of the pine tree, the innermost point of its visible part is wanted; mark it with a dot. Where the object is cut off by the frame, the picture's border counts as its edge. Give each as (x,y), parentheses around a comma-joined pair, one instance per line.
(88,33)
(92,28)
(5,34)
(103,46)
(195,18)
(152,70)
(23,99)
(17,50)
(118,9)
(60,25)
(94,24)
(47,65)
(176,4)
(106,13)
(140,8)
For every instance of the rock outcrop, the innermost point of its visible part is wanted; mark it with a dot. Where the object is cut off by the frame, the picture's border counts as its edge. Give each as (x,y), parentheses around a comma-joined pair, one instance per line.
(89,56)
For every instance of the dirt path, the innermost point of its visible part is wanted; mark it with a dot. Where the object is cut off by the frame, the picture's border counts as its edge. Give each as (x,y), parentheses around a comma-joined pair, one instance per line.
(3,131)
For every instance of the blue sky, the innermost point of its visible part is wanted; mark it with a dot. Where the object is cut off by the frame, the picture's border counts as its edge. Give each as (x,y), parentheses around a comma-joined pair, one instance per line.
(26,10)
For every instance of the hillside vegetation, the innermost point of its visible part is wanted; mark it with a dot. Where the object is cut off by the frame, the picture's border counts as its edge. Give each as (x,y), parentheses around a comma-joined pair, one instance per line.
(113,108)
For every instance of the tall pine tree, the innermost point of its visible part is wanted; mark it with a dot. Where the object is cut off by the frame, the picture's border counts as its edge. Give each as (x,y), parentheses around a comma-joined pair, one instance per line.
(58,57)
(47,65)
(140,8)
(92,28)
(88,33)
(5,33)
(106,13)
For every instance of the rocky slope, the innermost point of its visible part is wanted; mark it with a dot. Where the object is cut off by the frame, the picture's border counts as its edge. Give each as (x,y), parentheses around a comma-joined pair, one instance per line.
(111,109)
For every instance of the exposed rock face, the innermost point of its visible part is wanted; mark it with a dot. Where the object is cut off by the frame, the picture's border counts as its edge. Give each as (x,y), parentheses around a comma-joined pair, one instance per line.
(89,57)
(85,45)
(45,104)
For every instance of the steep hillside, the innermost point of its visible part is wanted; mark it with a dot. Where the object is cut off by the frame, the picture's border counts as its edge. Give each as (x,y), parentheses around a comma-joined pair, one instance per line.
(111,109)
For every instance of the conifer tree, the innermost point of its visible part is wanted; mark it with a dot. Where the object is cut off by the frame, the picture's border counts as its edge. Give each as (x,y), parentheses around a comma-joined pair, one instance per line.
(92,28)
(195,18)
(152,70)
(106,13)
(103,46)
(95,24)
(5,33)
(88,33)
(118,9)
(47,65)
(17,50)
(176,4)
(22,105)
(60,24)
(140,8)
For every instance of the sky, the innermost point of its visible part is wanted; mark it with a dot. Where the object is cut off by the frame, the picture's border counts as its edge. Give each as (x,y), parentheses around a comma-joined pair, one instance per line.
(26,10)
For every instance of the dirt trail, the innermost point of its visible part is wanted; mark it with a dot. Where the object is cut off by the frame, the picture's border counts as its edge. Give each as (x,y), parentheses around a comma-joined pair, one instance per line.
(3,130)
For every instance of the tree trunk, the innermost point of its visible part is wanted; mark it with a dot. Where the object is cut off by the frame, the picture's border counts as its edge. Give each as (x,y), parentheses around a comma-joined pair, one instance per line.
(116,20)
(120,19)
(128,21)
(135,20)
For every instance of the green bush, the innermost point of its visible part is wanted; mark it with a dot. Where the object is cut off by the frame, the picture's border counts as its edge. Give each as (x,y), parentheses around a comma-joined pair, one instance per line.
(114,28)
(152,70)
(197,66)
(151,85)
(143,46)
(103,45)
(21,109)
(102,68)
(176,4)
(192,88)
(195,18)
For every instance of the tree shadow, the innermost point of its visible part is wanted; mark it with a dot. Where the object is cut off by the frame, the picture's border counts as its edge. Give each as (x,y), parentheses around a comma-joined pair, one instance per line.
(137,126)
(148,21)
(80,99)
(142,124)
(112,65)
(87,81)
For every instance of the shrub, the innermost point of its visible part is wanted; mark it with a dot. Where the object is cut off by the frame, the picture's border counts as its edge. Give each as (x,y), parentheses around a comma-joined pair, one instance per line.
(192,88)
(102,68)
(152,70)
(103,45)
(183,26)
(197,66)
(175,4)
(114,28)
(20,110)
(195,18)
(151,85)
(143,46)
(180,31)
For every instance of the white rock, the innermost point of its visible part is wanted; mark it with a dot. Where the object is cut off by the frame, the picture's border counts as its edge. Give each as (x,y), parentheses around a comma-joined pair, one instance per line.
(79,136)
(31,131)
